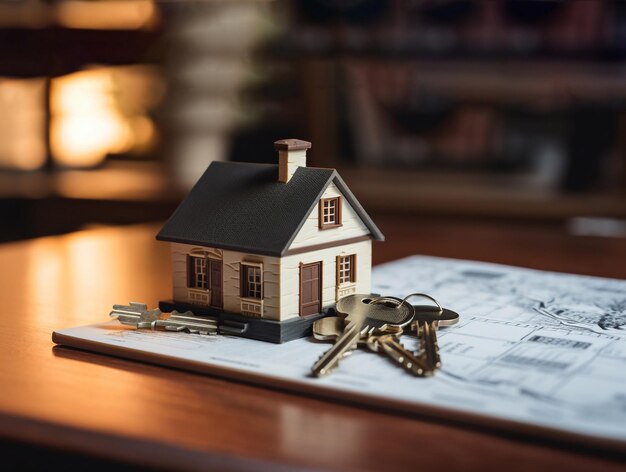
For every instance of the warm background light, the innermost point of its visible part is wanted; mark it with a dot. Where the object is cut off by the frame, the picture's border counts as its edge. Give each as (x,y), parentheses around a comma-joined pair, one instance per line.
(102,111)
(80,14)
(107,14)
(22,123)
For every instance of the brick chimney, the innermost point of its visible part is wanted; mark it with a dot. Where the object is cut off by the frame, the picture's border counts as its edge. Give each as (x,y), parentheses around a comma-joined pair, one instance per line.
(291,155)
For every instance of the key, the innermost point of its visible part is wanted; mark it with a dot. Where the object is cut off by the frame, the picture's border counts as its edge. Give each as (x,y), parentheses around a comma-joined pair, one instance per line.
(386,342)
(186,322)
(360,314)
(138,315)
(135,314)
(426,321)
(330,328)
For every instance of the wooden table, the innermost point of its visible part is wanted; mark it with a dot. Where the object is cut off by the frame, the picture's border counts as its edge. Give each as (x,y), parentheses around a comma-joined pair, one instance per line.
(56,402)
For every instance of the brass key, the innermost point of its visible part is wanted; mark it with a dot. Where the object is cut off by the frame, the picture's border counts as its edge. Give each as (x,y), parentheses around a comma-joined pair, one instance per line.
(383,340)
(330,328)
(425,324)
(361,315)
(386,342)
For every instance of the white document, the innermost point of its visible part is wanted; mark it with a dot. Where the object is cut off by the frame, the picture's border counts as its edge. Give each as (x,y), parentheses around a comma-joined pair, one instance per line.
(546,351)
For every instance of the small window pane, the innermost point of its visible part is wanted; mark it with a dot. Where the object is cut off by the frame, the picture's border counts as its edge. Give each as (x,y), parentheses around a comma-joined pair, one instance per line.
(346,269)
(252,280)
(330,214)
(199,274)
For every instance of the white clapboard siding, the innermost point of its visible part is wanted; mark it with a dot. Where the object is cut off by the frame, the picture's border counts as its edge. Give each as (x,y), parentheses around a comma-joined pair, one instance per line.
(290,274)
(310,234)
(231,277)
(232,282)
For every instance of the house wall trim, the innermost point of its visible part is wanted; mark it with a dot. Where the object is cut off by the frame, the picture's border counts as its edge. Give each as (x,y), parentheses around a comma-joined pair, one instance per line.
(316,247)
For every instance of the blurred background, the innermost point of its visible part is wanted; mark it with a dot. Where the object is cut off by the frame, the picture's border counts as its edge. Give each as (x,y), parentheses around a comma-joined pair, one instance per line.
(509,111)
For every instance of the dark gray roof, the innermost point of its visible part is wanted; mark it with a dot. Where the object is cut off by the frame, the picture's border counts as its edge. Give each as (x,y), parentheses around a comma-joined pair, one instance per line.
(243,207)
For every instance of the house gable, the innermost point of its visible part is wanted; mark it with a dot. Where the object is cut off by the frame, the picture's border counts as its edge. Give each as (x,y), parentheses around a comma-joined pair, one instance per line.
(311,235)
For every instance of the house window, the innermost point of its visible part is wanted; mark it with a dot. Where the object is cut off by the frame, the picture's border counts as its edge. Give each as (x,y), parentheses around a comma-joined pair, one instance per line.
(330,212)
(197,277)
(252,281)
(346,269)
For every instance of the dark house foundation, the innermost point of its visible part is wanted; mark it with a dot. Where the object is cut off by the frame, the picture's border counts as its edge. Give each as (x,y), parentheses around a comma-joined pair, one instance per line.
(253,328)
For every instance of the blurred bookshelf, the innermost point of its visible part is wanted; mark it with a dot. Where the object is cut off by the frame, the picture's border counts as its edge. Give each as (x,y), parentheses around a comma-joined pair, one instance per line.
(469,195)
(460,108)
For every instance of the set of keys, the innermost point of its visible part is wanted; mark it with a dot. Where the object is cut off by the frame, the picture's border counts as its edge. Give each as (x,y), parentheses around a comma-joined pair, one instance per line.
(377,323)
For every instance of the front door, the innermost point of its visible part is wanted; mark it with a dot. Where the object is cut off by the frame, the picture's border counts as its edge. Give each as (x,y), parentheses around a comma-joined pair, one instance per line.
(310,288)
(215,271)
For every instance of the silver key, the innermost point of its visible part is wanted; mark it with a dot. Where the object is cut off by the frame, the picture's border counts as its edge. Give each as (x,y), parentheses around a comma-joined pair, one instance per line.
(386,342)
(360,316)
(425,324)
(138,315)
(186,322)
(135,314)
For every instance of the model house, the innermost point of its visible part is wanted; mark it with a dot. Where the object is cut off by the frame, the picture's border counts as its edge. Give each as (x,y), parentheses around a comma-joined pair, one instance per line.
(268,249)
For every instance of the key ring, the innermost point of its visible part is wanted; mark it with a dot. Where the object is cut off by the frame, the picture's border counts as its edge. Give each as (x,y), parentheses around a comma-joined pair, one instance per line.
(404,300)
(424,295)
(396,300)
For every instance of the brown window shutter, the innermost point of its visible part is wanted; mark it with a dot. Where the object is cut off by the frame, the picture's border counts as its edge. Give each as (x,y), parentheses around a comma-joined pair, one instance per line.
(338,210)
(337,265)
(189,271)
(353,271)
(242,280)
